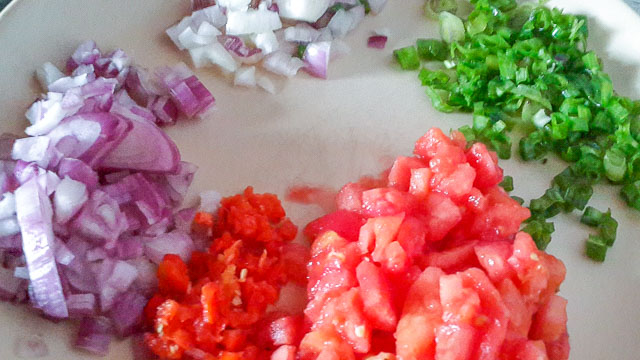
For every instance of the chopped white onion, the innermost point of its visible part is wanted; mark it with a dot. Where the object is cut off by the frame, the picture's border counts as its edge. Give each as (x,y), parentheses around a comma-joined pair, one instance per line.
(235,5)
(252,22)
(245,76)
(215,54)
(266,41)
(282,64)
(303,10)
(301,33)
(205,35)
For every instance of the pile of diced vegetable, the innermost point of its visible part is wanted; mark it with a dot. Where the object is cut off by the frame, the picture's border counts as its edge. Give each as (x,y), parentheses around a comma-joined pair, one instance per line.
(526,67)
(253,38)
(87,210)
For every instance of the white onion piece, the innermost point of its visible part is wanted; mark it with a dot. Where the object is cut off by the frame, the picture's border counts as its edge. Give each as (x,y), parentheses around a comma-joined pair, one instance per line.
(7,205)
(316,58)
(266,84)
(205,35)
(214,15)
(234,5)
(325,35)
(47,74)
(266,41)
(301,33)
(245,76)
(340,23)
(35,149)
(210,201)
(304,10)
(175,242)
(252,22)
(215,54)
(377,5)
(282,64)
(69,197)
(174,31)
(35,215)
(9,226)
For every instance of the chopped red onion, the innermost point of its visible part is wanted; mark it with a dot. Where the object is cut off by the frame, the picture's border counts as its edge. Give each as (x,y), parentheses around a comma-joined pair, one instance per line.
(236,46)
(78,171)
(175,242)
(63,255)
(303,10)
(95,254)
(184,218)
(130,247)
(245,76)
(133,151)
(141,86)
(9,284)
(9,227)
(126,314)
(7,205)
(178,184)
(316,58)
(187,92)
(31,346)
(35,218)
(37,149)
(47,74)
(115,277)
(69,82)
(94,335)
(147,280)
(377,42)
(252,21)
(69,197)
(164,109)
(86,53)
(81,304)
(101,219)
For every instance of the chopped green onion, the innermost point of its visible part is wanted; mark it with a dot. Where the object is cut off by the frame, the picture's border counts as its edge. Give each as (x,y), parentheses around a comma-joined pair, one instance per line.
(302,48)
(451,27)
(431,49)
(433,7)
(407,57)
(608,230)
(540,231)
(596,248)
(367,6)
(593,216)
(615,164)
(631,194)
(507,183)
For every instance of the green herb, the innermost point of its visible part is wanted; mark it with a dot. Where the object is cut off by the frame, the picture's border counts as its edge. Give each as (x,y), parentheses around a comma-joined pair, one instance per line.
(507,183)
(527,67)
(596,248)
(407,57)
(301,50)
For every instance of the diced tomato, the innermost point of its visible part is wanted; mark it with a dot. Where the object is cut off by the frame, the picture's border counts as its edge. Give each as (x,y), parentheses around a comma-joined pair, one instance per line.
(376,297)
(345,313)
(377,233)
(486,165)
(452,259)
(460,305)
(427,146)
(345,223)
(350,197)
(455,341)
(501,219)
(476,201)
(528,264)
(295,258)
(284,352)
(400,174)
(280,329)
(324,339)
(420,182)
(442,216)
(458,184)
(422,314)
(234,339)
(412,237)
(385,202)
(493,258)
(559,349)
(519,313)
(550,322)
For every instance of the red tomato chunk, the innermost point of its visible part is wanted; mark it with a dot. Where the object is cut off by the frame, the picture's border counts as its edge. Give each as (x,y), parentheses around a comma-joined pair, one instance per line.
(429,264)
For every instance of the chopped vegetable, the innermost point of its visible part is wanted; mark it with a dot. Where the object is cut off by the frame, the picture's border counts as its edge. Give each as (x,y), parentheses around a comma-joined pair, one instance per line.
(407,57)
(526,66)
(86,202)
(377,41)
(225,291)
